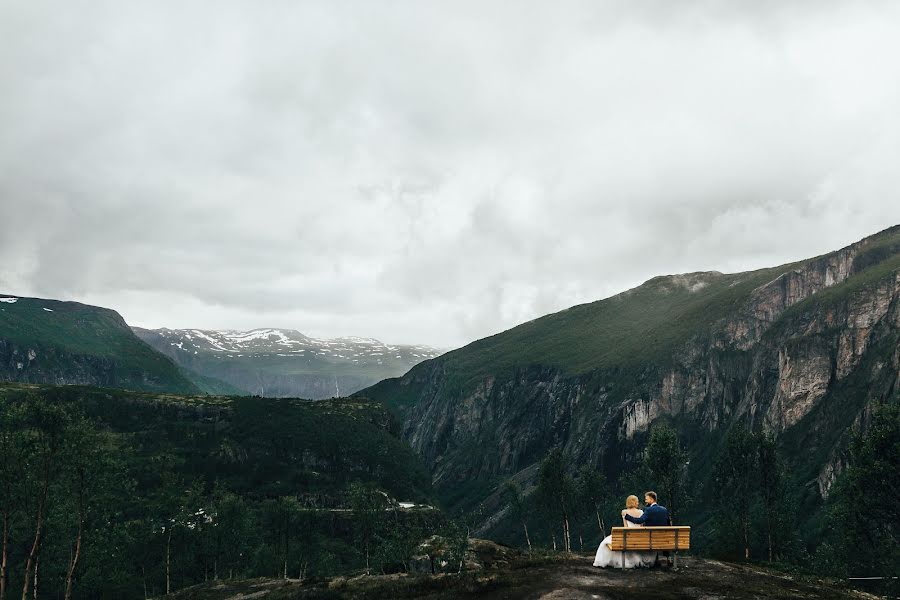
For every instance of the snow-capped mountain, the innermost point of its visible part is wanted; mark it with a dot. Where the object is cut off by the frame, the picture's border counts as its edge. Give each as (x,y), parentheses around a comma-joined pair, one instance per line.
(285,362)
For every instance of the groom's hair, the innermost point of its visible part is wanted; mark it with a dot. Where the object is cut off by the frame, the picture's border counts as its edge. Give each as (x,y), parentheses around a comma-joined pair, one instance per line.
(652,495)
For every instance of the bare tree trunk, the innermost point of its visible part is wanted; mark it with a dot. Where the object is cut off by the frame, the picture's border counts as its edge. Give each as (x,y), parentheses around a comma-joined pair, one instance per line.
(169,561)
(527,538)
(600,524)
(746,541)
(34,588)
(554,541)
(39,526)
(287,549)
(5,558)
(568,540)
(70,574)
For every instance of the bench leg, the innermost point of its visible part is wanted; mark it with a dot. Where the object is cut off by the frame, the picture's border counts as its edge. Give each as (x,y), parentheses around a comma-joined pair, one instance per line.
(675,561)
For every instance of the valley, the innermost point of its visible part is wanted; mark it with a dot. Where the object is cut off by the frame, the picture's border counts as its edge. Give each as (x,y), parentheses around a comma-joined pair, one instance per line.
(284,362)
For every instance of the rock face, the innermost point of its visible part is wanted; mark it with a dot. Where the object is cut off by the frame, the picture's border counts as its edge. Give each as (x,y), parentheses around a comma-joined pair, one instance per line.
(61,343)
(285,363)
(803,350)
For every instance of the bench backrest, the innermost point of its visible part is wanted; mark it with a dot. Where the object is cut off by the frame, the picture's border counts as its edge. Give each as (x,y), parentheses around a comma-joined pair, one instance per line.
(651,538)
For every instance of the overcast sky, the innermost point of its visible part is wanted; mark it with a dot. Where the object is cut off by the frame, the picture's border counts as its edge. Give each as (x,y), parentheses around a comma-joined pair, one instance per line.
(430,172)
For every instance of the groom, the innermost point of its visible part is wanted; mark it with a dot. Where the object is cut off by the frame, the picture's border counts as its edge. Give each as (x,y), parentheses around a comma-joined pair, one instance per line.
(654,515)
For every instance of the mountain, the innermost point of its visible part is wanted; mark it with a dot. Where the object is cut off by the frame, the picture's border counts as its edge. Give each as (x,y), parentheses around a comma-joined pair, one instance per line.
(804,350)
(49,341)
(284,362)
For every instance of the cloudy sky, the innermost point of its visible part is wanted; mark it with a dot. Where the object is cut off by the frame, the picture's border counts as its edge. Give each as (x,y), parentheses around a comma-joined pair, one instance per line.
(430,172)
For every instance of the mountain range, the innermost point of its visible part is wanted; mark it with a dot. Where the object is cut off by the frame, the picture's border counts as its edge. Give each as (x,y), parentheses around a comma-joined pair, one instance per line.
(284,362)
(64,343)
(804,350)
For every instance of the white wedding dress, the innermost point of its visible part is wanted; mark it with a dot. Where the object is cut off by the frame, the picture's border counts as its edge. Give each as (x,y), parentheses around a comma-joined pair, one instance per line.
(614,558)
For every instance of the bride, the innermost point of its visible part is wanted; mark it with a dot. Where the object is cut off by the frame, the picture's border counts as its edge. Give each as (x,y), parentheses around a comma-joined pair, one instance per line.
(609,558)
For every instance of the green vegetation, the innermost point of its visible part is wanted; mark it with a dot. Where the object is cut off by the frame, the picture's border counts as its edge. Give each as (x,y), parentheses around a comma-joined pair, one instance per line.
(666,462)
(68,342)
(735,478)
(110,493)
(863,513)
(627,331)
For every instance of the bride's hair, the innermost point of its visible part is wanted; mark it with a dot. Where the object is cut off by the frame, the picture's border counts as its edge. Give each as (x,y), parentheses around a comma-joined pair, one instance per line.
(631,502)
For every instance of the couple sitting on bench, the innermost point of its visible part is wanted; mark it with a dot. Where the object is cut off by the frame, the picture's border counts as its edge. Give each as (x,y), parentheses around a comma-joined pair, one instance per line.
(644,535)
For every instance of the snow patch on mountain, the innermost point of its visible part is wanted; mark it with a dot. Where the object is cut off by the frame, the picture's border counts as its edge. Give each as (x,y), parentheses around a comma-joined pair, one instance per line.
(289,343)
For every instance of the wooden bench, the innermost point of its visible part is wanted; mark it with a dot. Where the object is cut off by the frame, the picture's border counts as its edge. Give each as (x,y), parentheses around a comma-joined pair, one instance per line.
(644,539)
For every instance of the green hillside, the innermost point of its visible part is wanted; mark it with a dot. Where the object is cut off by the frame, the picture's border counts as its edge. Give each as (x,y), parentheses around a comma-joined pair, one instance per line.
(50,341)
(639,327)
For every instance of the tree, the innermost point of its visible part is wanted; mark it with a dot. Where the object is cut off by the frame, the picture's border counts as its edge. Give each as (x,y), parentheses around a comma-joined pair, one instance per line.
(556,490)
(734,479)
(231,528)
(45,424)
(771,489)
(86,457)
(592,493)
(517,507)
(177,511)
(457,536)
(12,470)
(864,543)
(368,505)
(666,461)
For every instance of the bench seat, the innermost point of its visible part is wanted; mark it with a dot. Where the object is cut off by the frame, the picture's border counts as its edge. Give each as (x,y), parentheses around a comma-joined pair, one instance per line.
(670,538)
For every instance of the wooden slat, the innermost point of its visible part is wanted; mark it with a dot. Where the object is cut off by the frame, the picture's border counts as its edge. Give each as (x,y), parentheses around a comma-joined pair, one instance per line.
(651,538)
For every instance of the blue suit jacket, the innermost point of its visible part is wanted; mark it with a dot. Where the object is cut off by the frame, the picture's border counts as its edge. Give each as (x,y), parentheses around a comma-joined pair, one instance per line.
(654,516)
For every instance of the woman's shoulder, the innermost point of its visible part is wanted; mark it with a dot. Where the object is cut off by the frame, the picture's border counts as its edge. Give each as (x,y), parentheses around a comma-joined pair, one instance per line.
(635,512)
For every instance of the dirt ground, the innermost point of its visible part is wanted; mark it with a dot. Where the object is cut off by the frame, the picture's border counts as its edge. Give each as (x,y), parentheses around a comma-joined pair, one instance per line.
(558,579)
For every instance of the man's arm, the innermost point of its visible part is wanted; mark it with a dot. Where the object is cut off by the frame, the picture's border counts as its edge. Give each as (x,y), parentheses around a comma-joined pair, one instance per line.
(639,520)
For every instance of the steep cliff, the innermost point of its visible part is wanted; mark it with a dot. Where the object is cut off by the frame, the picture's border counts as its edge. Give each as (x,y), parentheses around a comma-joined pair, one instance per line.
(48,341)
(803,349)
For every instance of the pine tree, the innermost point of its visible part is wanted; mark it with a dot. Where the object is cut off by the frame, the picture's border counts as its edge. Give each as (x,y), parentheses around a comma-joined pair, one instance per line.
(734,480)
(771,489)
(666,461)
(556,490)
(517,508)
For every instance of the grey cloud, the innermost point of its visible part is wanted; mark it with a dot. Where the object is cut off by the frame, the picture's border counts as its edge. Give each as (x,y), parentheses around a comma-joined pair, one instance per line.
(430,172)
